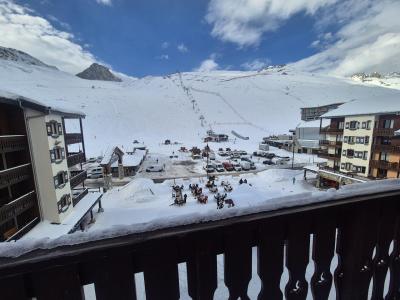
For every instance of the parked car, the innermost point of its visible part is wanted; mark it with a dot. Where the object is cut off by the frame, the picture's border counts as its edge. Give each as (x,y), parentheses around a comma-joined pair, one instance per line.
(91,160)
(235,155)
(209,168)
(253,166)
(222,153)
(95,173)
(228,166)
(245,159)
(155,168)
(219,167)
(243,152)
(237,167)
(221,149)
(228,149)
(211,155)
(270,155)
(196,156)
(268,162)
(245,165)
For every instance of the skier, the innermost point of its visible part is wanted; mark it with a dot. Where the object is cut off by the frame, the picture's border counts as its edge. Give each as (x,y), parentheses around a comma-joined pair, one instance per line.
(245,180)
(294,180)
(240,181)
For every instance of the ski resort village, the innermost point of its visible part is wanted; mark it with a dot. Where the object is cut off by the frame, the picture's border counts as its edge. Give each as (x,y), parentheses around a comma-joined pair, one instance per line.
(267,179)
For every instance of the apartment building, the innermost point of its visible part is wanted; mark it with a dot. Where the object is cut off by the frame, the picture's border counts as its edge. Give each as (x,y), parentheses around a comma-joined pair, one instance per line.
(40,179)
(362,139)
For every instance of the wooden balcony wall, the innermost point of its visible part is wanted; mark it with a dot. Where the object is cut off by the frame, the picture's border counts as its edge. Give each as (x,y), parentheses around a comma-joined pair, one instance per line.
(384,132)
(326,155)
(330,143)
(380,164)
(351,228)
(78,178)
(331,131)
(75,158)
(14,175)
(386,148)
(73,138)
(13,143)
(17,206)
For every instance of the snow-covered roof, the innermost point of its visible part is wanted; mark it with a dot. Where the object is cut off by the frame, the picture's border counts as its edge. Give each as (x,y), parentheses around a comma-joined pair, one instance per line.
(108,155)
(390,103)
(45,106)
(131,160)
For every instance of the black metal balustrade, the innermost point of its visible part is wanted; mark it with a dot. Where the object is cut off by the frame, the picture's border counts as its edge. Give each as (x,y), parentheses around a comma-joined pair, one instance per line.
(351,227)
(12,143)
(75,158)
(326,155)
(78,178)
(14,175)
(73,138)
(17,206)
(332,130)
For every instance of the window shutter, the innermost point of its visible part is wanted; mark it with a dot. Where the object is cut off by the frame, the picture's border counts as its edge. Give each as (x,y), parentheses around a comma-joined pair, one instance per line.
(52,156)
(62,153)
(60,129)
(55,181)
(347,125)
(65,176)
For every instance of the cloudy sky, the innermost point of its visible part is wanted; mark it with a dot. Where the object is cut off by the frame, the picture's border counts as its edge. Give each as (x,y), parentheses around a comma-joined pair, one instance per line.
(154,37)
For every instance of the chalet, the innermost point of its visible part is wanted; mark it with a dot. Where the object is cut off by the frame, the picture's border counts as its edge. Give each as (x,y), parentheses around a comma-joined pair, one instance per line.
(40,178)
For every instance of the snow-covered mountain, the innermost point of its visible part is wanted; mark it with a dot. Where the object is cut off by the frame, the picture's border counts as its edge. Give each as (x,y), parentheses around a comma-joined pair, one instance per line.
(11,54)
(391,80)
(98,72)
(152,109)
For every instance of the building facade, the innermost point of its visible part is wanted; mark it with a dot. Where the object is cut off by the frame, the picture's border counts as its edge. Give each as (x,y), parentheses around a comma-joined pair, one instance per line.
(40,178)
(315,112)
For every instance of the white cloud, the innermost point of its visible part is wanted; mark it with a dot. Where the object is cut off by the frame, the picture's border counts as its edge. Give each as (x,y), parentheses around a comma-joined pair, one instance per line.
(163,57)
(182,48)
(21,29)
(368,41)
(165,45)
(207,65)
(256,64)
(104,2)
(245,21)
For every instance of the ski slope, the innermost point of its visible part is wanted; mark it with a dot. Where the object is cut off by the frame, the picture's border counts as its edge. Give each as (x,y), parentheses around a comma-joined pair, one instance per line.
(183,106)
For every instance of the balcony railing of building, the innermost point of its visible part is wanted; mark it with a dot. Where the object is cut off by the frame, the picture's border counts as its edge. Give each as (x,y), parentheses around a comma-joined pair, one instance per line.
(13,143)
(359,230)
(327,155)
(14,175)
(75,158)
(386,148)
(17,206)
(78,178)
(332,130)
(79,196)
(330,143)
(73,138)
(384,132)
(381,164)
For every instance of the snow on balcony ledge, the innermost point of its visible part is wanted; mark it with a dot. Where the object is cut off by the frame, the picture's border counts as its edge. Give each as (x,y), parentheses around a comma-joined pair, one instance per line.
(18,248)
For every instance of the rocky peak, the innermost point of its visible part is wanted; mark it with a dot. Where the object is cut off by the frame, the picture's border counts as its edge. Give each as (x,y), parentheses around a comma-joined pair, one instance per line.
(98,72)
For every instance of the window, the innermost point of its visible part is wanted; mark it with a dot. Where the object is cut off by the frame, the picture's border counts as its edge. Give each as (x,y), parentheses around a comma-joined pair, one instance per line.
(348,166)
(342,165)
(350,153)
(54,128)
(364,125)
(346,139)
(385,141)
(358,154)
(347,125)
(64,203)
(388,124)
(365,155)
(351,140)
(360,140)
(369,125)
(344,153)
(60,179)
(341,125)
(354,125)
(384,156)
(57,154)
(366,140)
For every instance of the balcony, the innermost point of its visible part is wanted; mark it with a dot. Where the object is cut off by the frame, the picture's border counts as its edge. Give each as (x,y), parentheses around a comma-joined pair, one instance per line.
(73,138)
(75,158)
(326,155)
(384,132)
(17,206)
(385,165)
(330,143)
(14,175)
(79,196)
(350,228)
(386,148)
(13,143)
(78,178)
(332,131)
